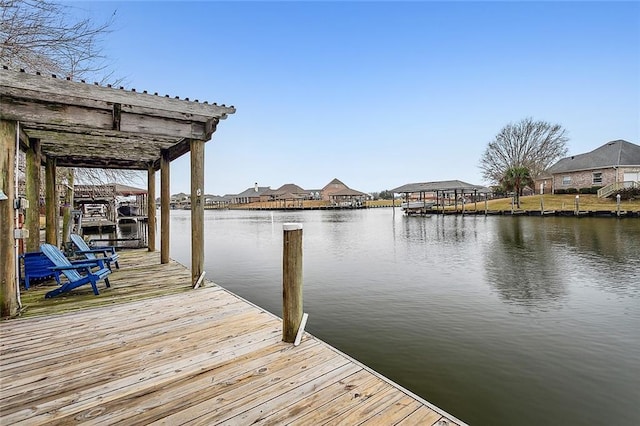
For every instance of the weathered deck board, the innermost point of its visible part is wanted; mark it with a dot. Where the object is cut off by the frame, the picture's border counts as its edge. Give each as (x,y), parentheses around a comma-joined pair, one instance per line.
(150,350)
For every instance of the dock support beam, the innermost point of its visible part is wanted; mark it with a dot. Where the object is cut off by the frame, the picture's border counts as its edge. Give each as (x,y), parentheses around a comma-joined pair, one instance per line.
(34,160)
(197,209)
(52,202)
(165,199)
(8,290)
(291,281)
(151,208)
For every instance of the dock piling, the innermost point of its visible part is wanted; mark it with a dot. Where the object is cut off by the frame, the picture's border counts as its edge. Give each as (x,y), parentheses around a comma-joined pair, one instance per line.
(291,281)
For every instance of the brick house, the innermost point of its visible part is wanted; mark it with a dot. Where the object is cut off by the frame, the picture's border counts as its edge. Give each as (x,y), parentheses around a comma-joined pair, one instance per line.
(249,195)
(614,162)
(337,193)
(289,191)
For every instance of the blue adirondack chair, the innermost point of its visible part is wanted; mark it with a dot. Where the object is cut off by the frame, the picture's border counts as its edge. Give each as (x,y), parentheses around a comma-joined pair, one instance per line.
(37,267)
(108,254)
(77,274)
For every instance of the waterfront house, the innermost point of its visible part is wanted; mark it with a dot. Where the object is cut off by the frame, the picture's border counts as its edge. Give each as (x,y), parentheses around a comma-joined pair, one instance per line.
(289,191)
(612,165)
(216,201)
(249,195)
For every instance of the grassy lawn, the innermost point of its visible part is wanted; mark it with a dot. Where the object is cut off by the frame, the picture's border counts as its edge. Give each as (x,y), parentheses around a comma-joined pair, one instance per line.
(559,202)
(551,202)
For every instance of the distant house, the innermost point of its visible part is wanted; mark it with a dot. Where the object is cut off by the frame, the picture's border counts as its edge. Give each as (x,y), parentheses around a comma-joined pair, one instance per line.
(249,195)
(216,201)
(288,191)
(613,163)
(180,201)
(338,193)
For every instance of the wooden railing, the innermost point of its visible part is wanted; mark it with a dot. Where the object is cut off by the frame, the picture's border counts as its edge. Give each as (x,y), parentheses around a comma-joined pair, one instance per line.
(608,190)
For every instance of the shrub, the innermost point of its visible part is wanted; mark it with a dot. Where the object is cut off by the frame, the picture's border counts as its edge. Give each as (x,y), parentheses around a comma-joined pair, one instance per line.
(591,190)
(628,193)
(571,191)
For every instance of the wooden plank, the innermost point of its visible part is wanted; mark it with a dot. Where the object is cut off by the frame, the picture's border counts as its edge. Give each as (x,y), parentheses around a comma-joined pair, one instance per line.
(83,398)
(368,408)
(422,416)
(257,390)
(395,413)
(294,391)
(318,401)
(89,349)
(330,413)
(77,93)
(207,386)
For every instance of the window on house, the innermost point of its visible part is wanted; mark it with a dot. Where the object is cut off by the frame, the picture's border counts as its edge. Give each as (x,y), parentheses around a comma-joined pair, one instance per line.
(566,180)
(597,178)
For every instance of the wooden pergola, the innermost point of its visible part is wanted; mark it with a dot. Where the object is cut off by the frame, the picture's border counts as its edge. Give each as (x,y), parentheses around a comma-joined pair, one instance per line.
(65,123)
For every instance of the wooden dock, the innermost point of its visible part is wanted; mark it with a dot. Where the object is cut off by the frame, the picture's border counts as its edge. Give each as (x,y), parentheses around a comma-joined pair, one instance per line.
(152,350)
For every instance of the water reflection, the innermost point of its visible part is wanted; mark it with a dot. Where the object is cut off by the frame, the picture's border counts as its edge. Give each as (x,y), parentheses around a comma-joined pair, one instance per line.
(522,265)
(125,235)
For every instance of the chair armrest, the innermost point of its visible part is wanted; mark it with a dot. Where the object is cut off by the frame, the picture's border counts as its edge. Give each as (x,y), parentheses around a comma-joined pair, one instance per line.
(105,251)
(69,267)
(88,262)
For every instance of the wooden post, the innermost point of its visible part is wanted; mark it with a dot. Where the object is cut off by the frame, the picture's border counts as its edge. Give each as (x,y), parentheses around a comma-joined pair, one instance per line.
(455,195)
(165,199)
(151,208)
(197,209)
(291,281)
(32,217)
(51,203)
(8,289)
(68,206)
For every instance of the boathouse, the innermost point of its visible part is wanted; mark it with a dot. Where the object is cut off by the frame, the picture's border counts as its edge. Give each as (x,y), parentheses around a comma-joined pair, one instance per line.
(442,191)
(64,123)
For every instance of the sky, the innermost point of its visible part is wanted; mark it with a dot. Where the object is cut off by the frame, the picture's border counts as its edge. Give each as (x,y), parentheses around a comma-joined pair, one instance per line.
(378,94)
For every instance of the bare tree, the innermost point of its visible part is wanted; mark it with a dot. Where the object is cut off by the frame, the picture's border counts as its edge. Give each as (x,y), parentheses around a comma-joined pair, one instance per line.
(40,35)
(534,145)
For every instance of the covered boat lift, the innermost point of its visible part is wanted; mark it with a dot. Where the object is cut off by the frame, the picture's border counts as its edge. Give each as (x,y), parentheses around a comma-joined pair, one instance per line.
(442,188)
(64,123)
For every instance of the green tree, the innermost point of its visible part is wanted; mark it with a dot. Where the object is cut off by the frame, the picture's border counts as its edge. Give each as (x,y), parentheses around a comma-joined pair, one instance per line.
(535,145)
(386,195)
(516,179)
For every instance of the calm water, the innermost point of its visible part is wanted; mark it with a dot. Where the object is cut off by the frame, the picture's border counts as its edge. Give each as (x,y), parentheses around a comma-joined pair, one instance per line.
(498,320)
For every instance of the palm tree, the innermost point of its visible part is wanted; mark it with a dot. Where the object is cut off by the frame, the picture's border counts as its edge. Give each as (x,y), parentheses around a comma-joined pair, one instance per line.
(515,179)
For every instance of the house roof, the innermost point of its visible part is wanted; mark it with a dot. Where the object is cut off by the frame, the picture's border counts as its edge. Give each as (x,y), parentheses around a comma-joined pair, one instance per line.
(88,125)
(347,192)
(215,198)
(444,185)
(334,182)
(611,154)
(289,187)
(251,191)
